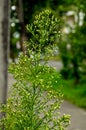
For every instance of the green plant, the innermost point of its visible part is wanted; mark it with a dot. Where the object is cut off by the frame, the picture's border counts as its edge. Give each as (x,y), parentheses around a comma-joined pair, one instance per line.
(43,31)
(33,104)
(78,91)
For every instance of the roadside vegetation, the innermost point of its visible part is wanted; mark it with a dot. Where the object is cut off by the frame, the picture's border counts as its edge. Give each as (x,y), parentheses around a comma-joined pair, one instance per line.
(75,94)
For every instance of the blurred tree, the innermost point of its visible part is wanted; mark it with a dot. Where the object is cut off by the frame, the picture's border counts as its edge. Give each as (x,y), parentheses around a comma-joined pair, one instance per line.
(21,21)
(4,44)
(73,44)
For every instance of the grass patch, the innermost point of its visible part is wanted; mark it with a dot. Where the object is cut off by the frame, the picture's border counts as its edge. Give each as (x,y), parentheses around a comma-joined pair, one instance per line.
(75,94)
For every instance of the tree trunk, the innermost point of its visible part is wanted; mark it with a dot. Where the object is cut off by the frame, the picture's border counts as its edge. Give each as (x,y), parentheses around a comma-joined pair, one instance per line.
(22,26)
(4,45)
(76,72)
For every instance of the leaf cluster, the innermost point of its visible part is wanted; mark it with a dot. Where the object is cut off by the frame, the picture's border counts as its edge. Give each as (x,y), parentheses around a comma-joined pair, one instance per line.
(43,31)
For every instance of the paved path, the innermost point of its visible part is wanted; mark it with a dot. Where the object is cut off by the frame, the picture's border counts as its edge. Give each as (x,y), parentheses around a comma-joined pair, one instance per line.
(56,64)
(78,116)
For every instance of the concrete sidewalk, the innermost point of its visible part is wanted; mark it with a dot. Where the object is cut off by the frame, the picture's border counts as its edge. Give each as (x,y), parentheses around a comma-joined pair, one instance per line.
(78,116)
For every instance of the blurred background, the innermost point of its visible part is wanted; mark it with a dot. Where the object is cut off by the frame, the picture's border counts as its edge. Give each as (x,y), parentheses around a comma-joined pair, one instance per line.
(70,52)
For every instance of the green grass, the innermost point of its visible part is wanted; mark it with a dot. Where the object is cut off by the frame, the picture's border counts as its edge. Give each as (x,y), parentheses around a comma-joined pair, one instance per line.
(75,94)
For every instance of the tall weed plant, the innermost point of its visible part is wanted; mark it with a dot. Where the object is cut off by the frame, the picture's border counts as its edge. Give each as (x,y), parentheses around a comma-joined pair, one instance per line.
(33,104)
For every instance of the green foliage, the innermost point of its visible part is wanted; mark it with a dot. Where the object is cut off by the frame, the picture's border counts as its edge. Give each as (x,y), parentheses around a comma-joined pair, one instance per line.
(43,30)
(74,57)
(78,91)
(33,104)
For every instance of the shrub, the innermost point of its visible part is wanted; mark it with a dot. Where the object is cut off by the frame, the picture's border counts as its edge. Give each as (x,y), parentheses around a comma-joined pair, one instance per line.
(33,104)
